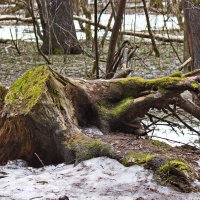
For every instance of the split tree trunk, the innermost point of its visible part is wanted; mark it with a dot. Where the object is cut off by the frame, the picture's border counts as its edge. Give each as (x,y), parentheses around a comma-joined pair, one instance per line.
(43,113)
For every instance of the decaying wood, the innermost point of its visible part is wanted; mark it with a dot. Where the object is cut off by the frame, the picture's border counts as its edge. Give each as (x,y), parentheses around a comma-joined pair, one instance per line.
(43,114)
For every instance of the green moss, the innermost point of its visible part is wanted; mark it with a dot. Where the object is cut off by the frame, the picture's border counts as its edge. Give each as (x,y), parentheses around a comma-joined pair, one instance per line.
(108,111)
(132,81)
(195,86)
(133,86)
(161,146)
(58,51)
(25,92)
(85,148)
(137,158)
(104,110)
(122,107)
(164,83)
(156,142)
(171,165)
(176,173)
(176,74)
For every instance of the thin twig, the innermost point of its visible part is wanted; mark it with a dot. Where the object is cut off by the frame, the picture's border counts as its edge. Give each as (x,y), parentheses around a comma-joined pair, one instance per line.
(182,121)
(39,159)
(15,43)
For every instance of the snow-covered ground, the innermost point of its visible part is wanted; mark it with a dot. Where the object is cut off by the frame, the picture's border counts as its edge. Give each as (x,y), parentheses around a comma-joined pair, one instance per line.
(134,22)
(95,179)
(176,138)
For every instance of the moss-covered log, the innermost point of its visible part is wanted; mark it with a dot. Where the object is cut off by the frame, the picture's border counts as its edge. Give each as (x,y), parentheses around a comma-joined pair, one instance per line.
(43,113)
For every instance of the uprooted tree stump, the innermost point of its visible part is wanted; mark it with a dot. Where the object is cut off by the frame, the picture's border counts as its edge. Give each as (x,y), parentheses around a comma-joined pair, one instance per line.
(43,113)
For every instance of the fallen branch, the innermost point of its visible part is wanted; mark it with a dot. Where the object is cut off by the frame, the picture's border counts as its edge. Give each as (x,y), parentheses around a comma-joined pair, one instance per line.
(18,19)
(185,63)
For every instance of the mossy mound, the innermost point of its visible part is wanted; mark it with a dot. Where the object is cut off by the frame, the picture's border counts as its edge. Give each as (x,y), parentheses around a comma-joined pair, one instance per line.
(174,164)
(137,158)
(26,91)
(85,148)
(177,173)
(167,172)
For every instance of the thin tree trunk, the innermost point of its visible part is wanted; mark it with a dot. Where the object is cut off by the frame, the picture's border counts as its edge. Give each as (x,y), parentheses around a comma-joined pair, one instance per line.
(96,40)
(88,14)
(154,46)
(106,30)
(114,38)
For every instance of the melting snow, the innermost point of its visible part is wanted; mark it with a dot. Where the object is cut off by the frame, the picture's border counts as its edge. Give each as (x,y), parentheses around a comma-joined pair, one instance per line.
(166,134)
(132,22)
(95,179)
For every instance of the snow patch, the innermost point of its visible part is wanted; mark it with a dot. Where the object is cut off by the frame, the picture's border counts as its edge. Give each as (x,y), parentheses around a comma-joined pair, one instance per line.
(95,179)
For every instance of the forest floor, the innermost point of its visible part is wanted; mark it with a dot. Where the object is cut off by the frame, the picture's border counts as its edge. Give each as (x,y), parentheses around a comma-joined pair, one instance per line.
(144,62)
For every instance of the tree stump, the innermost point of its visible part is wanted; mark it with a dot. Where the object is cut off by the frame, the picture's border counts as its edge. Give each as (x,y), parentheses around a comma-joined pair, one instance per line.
(43,113)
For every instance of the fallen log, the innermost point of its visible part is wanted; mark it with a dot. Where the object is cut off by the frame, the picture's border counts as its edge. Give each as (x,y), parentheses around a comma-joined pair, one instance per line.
(43,113)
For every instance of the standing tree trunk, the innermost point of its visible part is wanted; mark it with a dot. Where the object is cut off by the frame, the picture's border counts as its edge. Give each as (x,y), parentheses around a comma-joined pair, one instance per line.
(59,35)
(192,16)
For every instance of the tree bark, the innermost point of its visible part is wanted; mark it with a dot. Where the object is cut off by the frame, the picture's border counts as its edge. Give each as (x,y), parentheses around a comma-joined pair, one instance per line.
(58,27)
(192,16)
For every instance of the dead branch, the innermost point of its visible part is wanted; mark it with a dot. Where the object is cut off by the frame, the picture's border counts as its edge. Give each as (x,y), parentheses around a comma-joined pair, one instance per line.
(18,19)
